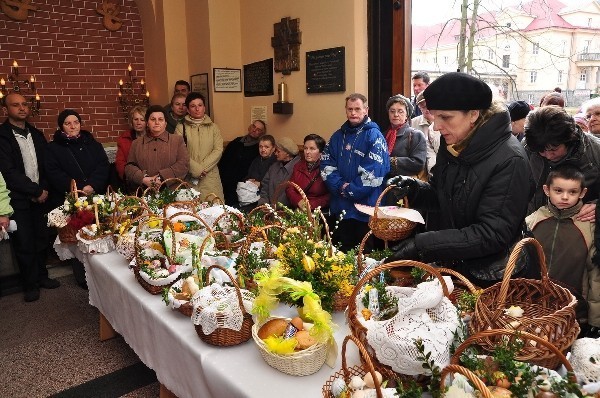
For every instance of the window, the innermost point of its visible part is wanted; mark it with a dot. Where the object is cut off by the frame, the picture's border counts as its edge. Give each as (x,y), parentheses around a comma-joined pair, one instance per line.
(530,98)
(589,22)
(586,46)
(490,54)
(445,60)
(560,73)
(532,76)
(536,48)
(583,76)
(506,61)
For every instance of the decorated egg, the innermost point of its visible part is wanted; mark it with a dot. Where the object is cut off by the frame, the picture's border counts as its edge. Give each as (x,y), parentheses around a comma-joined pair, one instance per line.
(338,387)
(369,382)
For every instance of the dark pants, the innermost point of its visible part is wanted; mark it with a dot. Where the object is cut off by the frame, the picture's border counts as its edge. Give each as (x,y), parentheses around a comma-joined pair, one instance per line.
(30,243)
(350,233)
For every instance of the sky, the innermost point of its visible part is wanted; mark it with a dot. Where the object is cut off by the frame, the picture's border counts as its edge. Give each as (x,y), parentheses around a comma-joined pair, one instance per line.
(427,12)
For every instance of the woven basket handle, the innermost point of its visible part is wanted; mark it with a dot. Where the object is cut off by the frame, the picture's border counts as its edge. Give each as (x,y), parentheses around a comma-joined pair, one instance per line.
(395,264)
(510,266)
(365,355)
(283,186)
(475,338)
(237,287)
(166,223)
(245,249)
(191,214)
(476,381)
(447,271)
(382,195)
(360,257)
(174,180)
(213,199)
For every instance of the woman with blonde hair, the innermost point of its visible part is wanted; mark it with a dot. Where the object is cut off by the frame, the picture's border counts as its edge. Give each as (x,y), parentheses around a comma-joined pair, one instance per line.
(137,125)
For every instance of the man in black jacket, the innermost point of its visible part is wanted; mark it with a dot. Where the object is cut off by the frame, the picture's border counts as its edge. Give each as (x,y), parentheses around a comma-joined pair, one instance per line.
(22,148)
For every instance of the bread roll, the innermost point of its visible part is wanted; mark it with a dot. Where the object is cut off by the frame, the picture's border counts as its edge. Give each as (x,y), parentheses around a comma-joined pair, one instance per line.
(274,327)
(305,340)
(298,323)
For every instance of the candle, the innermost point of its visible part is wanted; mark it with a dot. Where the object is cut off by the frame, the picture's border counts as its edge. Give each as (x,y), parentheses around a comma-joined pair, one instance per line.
(129,69)
(121,85)
(15,68)
(32,82)
(2,83)
(37,99)
(147,94)
(1,95)
(142,82)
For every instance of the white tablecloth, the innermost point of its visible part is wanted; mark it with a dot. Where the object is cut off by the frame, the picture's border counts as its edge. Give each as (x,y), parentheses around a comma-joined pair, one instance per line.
(166,341)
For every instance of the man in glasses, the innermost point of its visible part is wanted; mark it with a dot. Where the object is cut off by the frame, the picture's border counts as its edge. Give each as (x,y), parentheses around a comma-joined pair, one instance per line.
(552,138)
(591,110)
(236,160)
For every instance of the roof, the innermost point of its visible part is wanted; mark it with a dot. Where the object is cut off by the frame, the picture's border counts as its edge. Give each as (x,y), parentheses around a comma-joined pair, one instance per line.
(546,14)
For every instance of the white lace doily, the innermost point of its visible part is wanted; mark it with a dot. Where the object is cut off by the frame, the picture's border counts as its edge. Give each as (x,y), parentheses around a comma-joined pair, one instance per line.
(125,245)
(583,352)
(58,219)
(103,244)
(166,280)
(423,313)
(217,306)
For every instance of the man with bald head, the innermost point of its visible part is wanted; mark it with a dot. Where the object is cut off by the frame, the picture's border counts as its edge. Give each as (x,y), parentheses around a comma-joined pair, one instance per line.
(22,149)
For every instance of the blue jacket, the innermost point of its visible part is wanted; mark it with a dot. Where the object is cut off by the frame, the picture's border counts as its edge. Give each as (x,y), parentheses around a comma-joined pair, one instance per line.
(356,155)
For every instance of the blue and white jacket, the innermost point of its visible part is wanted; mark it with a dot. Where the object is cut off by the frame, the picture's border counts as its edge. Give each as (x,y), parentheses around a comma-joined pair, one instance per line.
(356,155)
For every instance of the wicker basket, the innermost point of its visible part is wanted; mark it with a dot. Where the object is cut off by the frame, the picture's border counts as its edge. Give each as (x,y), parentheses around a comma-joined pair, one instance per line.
(360,331)
(152,289)
(256,234)
(390,229)
(225,337)
(549,310)
(346,373)
(301,363)
(68,234)
(232,218)
(475,381)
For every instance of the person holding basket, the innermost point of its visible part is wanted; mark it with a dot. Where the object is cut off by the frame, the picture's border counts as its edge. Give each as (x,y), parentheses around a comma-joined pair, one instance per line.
(478,194)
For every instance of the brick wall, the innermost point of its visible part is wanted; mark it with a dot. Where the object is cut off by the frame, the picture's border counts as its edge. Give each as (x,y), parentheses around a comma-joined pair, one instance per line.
(76,61)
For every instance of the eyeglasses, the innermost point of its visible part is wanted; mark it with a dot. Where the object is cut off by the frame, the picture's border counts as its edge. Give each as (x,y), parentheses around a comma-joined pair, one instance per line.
(399,112)
(595,114)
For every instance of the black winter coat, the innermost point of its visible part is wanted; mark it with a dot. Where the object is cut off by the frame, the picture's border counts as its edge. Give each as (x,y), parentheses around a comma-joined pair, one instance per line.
(481,200)
(233,167)
(22,189)
(82,159)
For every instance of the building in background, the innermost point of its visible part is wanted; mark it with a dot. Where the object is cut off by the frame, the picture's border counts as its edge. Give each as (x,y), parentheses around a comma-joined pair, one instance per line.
(525,50)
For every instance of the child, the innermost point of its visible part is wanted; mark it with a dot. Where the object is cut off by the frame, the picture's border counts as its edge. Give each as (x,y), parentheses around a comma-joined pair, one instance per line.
(569,244)
(256,172)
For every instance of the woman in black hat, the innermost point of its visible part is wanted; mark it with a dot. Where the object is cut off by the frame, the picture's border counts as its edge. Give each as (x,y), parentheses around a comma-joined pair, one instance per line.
(481,184)
(74,154)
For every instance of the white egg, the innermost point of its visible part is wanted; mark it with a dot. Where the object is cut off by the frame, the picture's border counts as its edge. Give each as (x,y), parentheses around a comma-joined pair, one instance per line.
(368,380)
(356,383)
(338,387)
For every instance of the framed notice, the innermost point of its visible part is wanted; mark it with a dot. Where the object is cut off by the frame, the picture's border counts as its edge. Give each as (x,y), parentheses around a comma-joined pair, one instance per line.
(227,80)
(258,78)
(199,84)
(326,70)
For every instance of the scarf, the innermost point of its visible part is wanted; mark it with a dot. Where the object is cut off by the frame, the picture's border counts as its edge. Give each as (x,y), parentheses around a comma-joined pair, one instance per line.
(249,141)
(390,137)
(24,132)
(68,137)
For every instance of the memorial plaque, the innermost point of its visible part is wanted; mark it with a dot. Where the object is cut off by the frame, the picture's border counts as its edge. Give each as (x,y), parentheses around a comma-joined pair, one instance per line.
(258,78)
(326,70)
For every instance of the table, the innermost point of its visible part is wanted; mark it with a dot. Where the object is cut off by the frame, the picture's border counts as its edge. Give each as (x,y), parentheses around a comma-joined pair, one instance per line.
(166,342)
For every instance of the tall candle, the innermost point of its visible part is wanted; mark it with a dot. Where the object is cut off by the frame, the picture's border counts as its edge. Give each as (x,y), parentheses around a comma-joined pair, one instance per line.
(121,85)
(129,69)
(15,68)
(32,82)
(2,83)
(37,99)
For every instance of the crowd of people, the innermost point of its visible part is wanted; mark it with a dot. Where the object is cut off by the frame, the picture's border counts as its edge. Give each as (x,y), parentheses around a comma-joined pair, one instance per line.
(482,172)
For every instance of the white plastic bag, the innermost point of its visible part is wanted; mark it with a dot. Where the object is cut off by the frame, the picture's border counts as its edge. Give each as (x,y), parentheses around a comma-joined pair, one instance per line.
(247,193)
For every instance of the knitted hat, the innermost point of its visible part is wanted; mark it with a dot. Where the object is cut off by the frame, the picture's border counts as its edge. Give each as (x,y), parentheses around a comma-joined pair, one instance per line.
(518,110)
(457,91)
(420,98)
(288,145)
(66,113)
(402,99)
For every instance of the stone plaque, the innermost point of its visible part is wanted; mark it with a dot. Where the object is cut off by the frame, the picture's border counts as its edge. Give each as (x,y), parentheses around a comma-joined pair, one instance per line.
(326,70)
(258,78)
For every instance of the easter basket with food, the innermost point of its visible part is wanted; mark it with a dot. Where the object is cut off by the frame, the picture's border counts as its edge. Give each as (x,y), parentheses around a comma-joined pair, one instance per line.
(388,319)
(540,307)
(249,261)
(503,374)
(220,312)
(390,228)
(155,266)
(358,380)
(75,213)
(97,237)
(292,346)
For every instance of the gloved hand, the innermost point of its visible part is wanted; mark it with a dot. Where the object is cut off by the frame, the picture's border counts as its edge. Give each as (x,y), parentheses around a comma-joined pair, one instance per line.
(406,186)
(405,250)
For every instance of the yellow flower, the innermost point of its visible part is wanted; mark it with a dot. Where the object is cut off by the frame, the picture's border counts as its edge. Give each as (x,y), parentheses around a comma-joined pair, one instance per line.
(367,288)
(308,263)
(78,204)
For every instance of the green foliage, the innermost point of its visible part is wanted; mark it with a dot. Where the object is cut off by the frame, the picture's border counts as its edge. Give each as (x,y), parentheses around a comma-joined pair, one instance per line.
(428,364)
(388,303)
(409,389)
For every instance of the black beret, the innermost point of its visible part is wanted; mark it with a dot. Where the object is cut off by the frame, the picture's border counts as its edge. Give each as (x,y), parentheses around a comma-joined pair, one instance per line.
(457,91)
(154,108)
(518,110)
(66,113)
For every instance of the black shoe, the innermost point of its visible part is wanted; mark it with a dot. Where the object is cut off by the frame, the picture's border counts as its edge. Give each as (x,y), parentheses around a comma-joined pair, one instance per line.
(49,283)
(32,295)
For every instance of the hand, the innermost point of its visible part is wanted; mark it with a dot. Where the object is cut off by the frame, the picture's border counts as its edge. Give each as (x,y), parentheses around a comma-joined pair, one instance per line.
(88,189)
(253,181)
(405,250)
(4,222)
(42,198)
(150,181)
(587,213)
(406,186)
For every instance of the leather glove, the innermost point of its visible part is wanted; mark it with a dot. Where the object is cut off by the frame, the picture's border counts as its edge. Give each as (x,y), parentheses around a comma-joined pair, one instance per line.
(406,186)
(405,250)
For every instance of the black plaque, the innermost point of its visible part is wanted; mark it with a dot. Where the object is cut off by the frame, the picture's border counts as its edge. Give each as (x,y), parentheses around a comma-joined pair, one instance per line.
(258,78)
(326,70)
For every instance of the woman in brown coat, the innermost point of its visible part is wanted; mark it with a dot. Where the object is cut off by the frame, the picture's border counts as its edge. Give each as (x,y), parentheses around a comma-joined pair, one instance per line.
(157,155)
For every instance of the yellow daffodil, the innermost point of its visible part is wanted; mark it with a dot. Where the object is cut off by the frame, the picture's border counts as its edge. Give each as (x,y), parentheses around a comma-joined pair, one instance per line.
(308,263)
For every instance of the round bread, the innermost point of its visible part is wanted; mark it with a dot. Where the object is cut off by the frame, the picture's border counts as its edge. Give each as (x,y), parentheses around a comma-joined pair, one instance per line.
(305,340)
(297,322)
(274,327)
